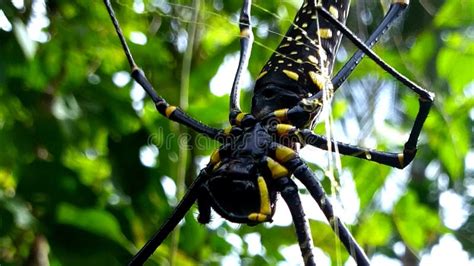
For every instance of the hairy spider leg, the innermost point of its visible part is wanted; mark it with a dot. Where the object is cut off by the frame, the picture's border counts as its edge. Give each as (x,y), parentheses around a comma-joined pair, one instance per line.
(169,111)
(246,40)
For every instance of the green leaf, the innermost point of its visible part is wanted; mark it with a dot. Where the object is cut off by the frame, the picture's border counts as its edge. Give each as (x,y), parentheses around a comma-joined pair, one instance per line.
(375,230)
(455,13)
(454,62)
(417,224)
(325,239)
(95,221)
(6,222)
(369,178)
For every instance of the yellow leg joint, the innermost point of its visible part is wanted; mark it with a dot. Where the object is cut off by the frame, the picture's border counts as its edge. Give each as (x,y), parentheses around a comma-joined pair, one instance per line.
(281,114)
(264,197)
(239,118)
(258,217)
(284,129)
(227,130)
(215,157)
(245,33)
(277,169)
(169,110)
(284,154)
(216,166)
(401,159)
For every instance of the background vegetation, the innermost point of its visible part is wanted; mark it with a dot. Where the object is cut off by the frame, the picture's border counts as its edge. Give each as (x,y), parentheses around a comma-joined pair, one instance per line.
(86,163)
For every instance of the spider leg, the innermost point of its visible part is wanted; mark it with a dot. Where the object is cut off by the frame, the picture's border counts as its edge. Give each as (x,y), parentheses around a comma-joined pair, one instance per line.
(204,208)
(289,159)
(306,176)
(426,97)
(396,8)
(246,40)
(289,192)
(169,111)
(398,160)
(303,109)
(424,94)
(179,212)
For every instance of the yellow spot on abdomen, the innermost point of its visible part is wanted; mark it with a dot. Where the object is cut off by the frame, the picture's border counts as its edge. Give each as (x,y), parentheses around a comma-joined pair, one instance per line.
(334,12)
(313,59)
(292,75)
(325,33)
(317,79)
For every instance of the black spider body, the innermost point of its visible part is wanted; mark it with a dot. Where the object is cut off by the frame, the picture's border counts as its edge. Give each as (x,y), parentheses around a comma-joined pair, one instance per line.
(302,64)
(258,156)
(234,189)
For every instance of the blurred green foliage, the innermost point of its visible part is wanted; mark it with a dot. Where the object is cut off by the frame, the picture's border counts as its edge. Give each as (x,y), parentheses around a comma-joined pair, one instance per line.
(74,191)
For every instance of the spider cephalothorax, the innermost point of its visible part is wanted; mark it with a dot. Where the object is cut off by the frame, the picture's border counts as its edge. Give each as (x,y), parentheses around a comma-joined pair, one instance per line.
(258,157)
(239,187)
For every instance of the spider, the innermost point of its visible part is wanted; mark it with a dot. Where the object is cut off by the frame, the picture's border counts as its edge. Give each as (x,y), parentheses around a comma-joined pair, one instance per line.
(258,155)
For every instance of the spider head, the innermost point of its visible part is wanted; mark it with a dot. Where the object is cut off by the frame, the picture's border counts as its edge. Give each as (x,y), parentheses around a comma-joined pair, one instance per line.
(237,188)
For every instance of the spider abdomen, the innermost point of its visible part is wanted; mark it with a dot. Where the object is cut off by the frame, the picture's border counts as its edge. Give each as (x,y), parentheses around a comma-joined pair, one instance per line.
(302,64)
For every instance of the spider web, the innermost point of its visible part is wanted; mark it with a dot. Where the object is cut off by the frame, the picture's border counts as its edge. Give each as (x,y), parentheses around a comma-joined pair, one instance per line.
(165,9)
